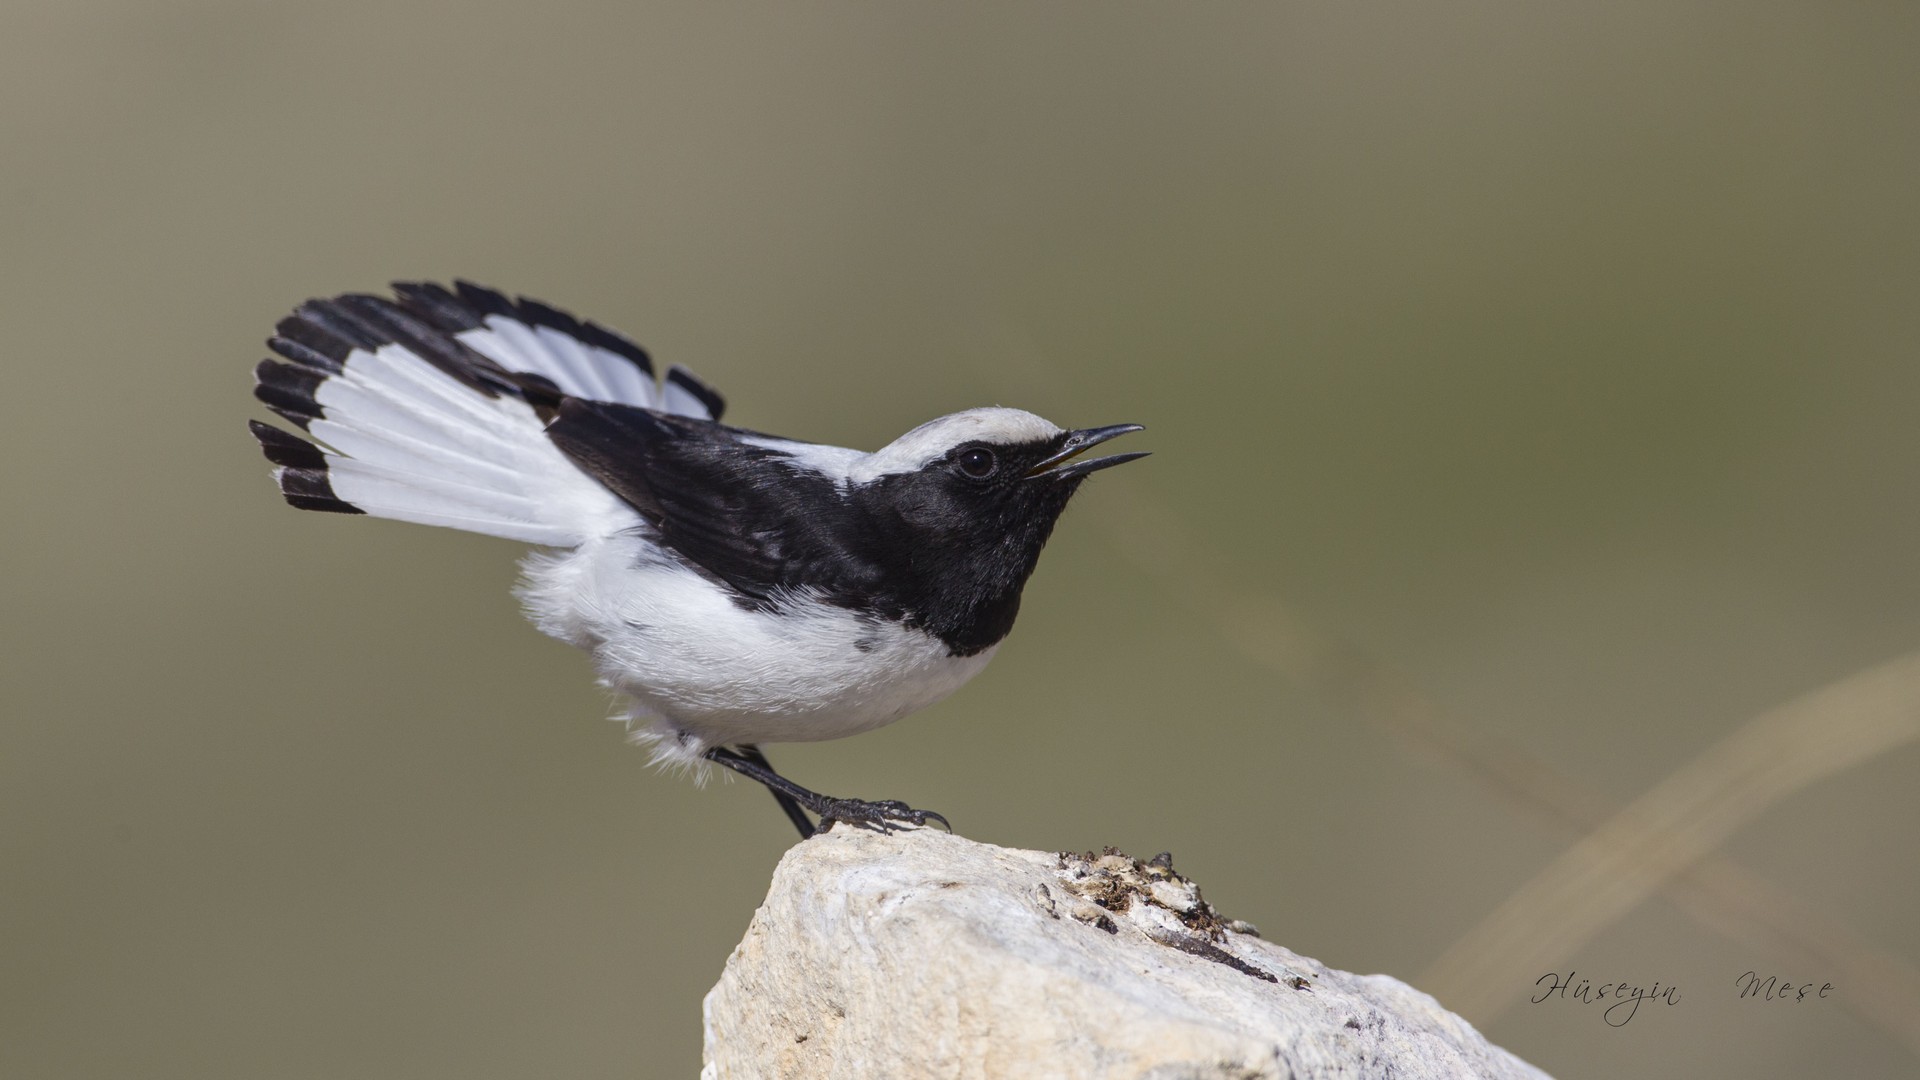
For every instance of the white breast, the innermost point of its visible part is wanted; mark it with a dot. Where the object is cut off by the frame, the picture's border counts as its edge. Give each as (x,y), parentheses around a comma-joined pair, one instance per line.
(701,671)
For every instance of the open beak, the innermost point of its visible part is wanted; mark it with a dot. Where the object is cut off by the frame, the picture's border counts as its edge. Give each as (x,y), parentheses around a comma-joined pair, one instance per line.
(1060,465)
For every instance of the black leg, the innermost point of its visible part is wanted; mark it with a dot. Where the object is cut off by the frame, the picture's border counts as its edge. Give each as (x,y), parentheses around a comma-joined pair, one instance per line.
(752,755)
(882,815)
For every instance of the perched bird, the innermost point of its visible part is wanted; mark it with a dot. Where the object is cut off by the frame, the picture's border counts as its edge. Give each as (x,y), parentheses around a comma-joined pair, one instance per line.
(736,588)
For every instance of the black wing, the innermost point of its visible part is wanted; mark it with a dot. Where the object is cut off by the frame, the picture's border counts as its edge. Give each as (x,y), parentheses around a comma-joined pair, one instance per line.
(747,514)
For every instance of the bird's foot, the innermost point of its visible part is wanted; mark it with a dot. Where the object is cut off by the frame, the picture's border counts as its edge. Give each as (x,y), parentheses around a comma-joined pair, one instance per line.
(885,815)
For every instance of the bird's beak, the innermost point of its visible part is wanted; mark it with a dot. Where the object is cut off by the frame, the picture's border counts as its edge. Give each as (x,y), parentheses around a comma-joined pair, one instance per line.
(1057,466)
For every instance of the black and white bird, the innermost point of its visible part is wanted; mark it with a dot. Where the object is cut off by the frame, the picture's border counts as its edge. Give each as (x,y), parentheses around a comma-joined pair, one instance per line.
(735,588)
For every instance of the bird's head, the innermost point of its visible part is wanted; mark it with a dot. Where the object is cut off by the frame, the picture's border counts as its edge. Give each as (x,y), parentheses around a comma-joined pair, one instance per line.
(967,502)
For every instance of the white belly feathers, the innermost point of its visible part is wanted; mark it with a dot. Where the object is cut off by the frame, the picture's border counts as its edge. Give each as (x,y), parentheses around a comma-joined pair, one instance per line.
(702,671)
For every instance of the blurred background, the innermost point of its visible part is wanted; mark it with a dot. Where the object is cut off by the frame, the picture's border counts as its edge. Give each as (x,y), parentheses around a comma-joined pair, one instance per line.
(1532,393)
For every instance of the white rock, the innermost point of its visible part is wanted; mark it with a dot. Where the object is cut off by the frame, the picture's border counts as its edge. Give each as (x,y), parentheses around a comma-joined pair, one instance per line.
(920,954)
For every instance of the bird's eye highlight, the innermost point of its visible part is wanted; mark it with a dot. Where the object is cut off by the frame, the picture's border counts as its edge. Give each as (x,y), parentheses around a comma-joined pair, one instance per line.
(978,462)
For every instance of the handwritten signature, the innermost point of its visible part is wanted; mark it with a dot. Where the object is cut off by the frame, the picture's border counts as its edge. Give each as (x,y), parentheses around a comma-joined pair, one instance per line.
(1623,999)
(1625,996)
(1773,989)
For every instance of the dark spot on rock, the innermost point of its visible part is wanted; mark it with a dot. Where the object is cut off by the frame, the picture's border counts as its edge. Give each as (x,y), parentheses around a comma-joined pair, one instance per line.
(1209,951)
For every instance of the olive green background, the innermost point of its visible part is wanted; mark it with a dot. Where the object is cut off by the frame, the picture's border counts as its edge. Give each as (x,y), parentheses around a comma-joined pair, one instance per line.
(1561,357)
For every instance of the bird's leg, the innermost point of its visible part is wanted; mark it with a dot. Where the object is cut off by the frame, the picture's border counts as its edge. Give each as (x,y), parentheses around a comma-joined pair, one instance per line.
(751,755)
(883,815)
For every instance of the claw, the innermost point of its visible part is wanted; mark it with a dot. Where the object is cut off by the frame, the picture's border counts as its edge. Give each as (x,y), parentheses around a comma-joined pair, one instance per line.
(884,815)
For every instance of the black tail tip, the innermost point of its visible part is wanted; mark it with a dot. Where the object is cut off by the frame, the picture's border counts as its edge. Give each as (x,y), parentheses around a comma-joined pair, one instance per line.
(302,475)
(284,449)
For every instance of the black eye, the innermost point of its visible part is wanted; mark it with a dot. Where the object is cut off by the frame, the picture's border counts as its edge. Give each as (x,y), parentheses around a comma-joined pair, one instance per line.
(978,462)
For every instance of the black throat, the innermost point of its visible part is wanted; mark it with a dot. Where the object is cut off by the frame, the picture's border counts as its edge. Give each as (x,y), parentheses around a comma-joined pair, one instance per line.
(950,564)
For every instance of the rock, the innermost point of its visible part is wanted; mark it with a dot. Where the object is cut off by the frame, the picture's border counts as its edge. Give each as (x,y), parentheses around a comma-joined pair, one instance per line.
(921,954)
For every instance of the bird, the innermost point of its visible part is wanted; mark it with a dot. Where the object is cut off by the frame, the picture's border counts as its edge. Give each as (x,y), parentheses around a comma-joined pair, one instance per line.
(733,588)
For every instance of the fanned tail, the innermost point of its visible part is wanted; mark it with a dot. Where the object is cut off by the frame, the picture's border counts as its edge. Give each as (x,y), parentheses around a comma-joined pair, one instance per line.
(432,408)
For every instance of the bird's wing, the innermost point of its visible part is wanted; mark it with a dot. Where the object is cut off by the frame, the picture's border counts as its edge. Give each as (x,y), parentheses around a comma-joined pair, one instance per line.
(729,501)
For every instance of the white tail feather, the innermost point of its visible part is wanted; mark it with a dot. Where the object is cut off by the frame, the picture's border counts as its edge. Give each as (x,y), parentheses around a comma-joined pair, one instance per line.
(410,454)
(407,441)
(577,369)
